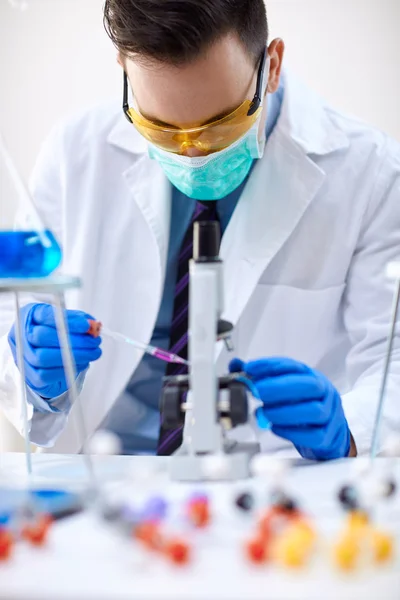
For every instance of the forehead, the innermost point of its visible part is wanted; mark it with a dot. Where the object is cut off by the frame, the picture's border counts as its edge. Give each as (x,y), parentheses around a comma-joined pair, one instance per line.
(215,83)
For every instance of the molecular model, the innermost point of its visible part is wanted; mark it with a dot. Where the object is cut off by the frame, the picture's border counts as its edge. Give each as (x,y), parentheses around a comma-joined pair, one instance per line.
(361,541)
(284,535)
(26,524)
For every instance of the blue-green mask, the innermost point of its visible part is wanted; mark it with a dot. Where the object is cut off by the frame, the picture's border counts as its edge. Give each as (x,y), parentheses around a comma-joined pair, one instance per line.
(214,176)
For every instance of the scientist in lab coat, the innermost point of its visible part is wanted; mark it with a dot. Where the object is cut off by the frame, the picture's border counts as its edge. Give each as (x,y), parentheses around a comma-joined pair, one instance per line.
(308,202)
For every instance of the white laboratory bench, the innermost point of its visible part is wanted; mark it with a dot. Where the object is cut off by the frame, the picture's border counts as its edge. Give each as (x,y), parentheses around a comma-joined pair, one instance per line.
(86,560)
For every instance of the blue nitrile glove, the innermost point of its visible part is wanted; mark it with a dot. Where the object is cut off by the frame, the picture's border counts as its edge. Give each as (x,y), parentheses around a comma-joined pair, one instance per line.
(44,371)
(301,404)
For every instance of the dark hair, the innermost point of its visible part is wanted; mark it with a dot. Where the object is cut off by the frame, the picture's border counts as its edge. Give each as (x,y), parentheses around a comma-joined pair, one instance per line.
(177,31)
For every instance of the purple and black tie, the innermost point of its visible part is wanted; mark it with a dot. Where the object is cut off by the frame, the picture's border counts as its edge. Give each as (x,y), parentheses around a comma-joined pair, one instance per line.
(170,439)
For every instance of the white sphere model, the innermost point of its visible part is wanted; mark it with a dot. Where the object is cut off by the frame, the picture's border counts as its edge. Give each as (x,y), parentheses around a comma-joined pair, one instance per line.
(361,466)
(104,443)
(263,465)
(372,489)
(392,446)
(146,472)
(215,466)
(393,271)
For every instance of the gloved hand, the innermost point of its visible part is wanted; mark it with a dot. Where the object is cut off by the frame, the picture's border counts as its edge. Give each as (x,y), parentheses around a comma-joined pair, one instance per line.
(44,372)
(301,404)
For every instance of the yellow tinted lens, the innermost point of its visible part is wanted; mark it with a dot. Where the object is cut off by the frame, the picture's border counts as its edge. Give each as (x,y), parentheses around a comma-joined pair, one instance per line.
(207,138)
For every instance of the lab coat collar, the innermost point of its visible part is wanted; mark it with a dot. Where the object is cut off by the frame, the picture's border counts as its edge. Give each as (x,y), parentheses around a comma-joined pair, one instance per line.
(125,136)
(304,118)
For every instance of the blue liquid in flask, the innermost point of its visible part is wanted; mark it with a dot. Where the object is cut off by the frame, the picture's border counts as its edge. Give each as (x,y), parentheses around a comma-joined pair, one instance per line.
(22,254)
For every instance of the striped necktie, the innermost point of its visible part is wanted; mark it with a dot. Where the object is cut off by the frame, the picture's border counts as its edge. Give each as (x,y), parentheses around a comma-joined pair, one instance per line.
(171,439)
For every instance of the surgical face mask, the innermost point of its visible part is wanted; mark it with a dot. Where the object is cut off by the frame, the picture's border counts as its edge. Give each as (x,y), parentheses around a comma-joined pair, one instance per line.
(214,176)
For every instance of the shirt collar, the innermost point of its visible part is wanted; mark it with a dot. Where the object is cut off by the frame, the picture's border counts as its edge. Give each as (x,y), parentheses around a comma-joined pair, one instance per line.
(274,106)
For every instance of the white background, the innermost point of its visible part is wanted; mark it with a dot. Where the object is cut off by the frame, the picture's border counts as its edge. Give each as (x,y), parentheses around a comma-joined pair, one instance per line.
(55,57)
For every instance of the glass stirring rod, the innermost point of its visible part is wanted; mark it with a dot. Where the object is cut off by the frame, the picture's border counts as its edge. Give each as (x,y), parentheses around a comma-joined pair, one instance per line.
(97,328)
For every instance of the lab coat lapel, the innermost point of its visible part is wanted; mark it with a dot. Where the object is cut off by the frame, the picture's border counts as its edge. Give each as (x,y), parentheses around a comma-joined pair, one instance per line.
(149,188)
(148,185)
(282,185)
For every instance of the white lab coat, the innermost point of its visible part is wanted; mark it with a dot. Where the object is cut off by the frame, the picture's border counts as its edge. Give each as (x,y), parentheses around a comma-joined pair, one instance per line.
(304,257)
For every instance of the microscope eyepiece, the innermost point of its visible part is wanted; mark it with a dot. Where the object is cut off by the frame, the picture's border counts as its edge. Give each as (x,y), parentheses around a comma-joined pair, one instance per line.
(206,241)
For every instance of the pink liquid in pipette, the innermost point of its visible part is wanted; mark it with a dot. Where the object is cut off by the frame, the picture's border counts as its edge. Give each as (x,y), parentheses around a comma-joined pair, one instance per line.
(168,357)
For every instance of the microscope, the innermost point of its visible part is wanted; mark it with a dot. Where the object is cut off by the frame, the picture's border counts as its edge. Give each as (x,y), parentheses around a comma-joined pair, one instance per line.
(207,406)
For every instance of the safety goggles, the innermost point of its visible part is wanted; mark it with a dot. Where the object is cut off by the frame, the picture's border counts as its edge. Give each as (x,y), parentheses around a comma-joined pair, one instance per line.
(207,138)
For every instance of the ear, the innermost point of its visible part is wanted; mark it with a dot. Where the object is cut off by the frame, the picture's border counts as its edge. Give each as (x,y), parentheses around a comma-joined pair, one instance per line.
(120,60)
(276,52)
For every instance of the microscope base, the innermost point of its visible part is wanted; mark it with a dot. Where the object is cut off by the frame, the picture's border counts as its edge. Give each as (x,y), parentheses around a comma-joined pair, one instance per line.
(191,467)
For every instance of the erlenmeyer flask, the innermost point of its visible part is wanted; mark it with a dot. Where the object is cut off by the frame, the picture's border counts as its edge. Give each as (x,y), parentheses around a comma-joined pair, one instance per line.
(27,248)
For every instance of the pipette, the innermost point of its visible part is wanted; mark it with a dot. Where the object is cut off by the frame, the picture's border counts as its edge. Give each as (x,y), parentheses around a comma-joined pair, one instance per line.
(97,329)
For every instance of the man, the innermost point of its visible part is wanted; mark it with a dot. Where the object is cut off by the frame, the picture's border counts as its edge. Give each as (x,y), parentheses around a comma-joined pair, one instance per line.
(308,204)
